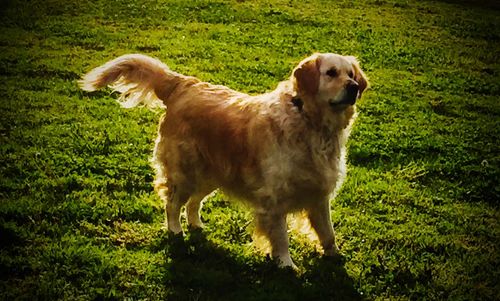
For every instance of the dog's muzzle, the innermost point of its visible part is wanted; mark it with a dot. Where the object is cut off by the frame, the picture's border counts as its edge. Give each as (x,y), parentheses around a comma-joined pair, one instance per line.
(350,96)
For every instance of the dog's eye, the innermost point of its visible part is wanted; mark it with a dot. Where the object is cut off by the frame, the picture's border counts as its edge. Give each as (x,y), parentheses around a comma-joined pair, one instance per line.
(351,74)
(332,72)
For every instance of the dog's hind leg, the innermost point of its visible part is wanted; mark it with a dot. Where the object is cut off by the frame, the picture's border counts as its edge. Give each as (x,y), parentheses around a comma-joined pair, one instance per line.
(319,216)
(274,228)
(193,208)
(174,197)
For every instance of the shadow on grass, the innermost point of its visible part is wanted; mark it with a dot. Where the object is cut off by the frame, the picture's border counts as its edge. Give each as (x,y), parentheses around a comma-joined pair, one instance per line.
(197,269)
(485,4)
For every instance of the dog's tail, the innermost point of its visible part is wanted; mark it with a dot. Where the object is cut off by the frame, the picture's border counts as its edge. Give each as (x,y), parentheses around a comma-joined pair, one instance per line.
(139,79)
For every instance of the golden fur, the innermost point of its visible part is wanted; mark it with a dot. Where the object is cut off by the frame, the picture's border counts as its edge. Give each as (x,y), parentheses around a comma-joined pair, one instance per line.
(281,152)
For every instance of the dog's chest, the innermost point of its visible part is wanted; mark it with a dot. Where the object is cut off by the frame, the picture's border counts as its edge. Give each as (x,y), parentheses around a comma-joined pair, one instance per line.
(310,166)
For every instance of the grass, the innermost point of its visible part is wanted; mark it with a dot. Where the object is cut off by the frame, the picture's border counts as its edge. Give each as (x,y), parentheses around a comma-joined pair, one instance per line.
(418,216)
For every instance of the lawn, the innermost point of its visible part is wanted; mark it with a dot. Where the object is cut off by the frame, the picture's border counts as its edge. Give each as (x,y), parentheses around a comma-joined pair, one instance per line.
(417,218)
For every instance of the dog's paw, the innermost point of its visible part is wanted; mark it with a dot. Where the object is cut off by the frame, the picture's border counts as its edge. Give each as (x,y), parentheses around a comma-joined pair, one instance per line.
(333,255)
(332,251)
(285,262)
(198,226)
(287,265)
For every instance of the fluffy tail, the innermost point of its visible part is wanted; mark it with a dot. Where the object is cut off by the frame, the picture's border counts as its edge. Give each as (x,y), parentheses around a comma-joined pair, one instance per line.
(139,79)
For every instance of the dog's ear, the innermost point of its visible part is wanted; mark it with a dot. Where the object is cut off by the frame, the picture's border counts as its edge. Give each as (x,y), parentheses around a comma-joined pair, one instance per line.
(306,76)
(359,75)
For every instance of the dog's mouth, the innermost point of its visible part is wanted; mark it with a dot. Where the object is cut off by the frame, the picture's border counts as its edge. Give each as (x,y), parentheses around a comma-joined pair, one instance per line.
(349,98)
(343,103)
(346,101)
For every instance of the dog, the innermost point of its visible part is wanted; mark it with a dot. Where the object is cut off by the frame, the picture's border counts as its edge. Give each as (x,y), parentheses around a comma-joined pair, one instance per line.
(280,152)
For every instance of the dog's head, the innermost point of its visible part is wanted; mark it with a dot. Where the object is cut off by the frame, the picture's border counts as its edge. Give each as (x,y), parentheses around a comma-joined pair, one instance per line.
(330,81)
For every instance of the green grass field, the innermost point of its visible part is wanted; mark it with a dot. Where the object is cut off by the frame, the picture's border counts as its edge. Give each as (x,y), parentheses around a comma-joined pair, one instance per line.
(417,218)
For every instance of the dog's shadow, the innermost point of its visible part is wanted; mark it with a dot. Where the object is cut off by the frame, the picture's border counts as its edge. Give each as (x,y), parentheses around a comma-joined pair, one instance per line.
(197,269)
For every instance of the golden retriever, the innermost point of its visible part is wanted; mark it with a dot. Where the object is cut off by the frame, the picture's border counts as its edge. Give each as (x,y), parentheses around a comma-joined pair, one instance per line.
(280,152)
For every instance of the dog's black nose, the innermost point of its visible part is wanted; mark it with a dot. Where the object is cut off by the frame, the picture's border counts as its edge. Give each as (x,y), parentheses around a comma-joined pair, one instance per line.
(352,90)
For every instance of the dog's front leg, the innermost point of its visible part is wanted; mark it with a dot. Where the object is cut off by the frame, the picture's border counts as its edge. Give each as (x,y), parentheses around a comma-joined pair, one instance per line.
(274,228)
(319,216)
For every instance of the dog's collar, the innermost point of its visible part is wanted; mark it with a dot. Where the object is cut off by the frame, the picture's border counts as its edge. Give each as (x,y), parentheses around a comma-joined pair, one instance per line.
(297,102)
